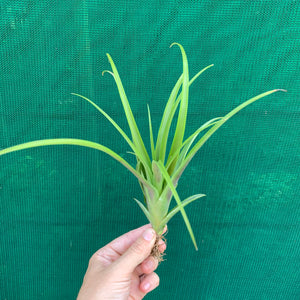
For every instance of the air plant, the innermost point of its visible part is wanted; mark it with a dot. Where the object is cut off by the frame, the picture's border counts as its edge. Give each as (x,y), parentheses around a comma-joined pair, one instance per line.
(157,171)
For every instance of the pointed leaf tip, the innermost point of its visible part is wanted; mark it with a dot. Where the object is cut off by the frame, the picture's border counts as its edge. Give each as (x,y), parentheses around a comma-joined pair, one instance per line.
(174,44)
(106,71)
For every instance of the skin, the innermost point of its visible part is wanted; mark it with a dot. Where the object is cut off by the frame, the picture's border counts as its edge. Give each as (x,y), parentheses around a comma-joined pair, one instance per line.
(123,269)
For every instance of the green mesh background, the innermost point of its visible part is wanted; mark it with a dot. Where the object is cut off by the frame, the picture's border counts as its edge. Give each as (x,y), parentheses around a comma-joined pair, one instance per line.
(60,204)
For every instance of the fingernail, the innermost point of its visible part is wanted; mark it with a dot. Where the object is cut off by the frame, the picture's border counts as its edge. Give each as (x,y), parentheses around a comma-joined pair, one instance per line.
(148,234)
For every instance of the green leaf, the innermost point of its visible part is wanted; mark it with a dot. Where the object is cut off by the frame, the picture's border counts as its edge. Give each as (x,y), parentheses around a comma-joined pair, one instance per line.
(200,143)
(144,209)
(83,143)
(151,133)
(164,128)
(176,209)
(169,112)
(137,152)
(181,121)
(200,72)
(157,176)
(136,137)
(189,141)
(210,132)
(191,81)
(179,203)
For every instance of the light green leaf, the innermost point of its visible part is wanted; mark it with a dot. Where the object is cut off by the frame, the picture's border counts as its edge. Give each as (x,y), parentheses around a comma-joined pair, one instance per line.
(164,128)
(137,152)
(191,81)
(136,137)
(169,112)
(151,133)
(210,132)
(144,209)
(157,176)
(181,120)
(188,142)
(83,143)
(176,209)
(200,143)
(179,203)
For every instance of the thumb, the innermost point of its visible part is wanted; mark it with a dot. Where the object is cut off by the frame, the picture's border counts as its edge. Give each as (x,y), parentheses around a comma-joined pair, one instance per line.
(137,252)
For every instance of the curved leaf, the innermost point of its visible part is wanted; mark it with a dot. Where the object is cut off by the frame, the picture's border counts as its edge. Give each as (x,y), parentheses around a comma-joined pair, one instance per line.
(137,152)
(136,136)
(188,142)
(210,132)
(181,120)
(84,143)
(172,157)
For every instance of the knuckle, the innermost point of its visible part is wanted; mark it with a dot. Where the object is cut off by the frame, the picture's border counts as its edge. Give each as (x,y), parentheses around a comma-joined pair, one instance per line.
(150,264)
(101,257)
(138,247)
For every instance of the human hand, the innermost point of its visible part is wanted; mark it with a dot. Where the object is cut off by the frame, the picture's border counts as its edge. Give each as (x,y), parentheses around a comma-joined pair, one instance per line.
(123,269)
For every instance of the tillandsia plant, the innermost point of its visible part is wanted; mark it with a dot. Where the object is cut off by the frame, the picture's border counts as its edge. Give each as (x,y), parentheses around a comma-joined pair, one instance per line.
(157,171)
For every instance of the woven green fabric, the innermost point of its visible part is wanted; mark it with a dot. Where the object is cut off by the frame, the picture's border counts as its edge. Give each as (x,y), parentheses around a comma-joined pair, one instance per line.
(58,205)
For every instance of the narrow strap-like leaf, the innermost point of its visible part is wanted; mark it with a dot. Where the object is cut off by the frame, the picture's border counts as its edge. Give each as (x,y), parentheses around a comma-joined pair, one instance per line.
(151,133)
(176,209)
(210,132)
(174,156)
(169,112)
(189,141)
(144,209)
(179,203)
(181,121)
(166,121)
(84,143)
(191,81)
(200,143)
(136,136)
(137,152)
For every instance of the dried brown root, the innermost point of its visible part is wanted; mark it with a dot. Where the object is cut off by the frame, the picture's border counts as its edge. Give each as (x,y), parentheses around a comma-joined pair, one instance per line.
(155,250)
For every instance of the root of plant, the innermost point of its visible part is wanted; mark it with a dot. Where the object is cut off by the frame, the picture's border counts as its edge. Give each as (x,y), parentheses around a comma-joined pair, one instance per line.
(155,250)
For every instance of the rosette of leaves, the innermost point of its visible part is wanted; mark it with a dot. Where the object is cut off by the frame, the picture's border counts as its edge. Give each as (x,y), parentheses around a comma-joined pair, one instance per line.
(158,170)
